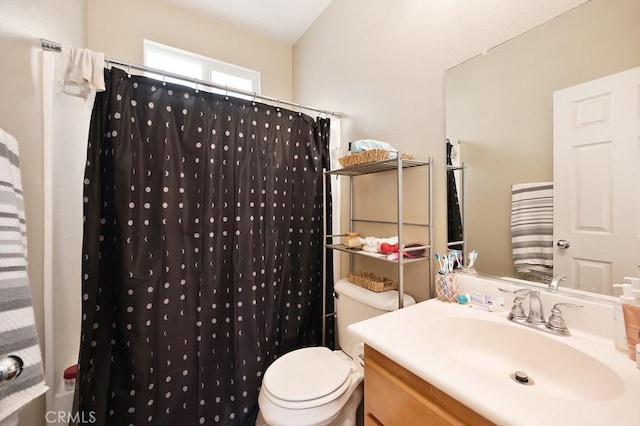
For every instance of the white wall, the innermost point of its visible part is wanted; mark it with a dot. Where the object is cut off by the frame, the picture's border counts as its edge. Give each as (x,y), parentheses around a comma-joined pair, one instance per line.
(382,63)
(71,117)
(117,28)
(66,127)
(22,24)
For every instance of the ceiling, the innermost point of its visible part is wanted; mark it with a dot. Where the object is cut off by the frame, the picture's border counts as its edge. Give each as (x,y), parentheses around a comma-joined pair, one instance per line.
(281,20)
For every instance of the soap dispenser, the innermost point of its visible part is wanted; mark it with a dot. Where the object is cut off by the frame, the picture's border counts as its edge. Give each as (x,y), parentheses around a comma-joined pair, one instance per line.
(635,282)
(635,290)
(619,331)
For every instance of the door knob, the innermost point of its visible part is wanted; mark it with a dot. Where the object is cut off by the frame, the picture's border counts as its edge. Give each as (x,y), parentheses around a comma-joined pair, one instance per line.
(563,244)
(10,368)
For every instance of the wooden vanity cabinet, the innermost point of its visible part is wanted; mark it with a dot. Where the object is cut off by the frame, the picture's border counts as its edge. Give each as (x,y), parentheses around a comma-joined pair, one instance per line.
(395,396)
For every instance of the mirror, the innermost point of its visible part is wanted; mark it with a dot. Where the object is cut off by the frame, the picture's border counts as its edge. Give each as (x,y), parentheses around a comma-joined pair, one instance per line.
(499,109)
(455,199)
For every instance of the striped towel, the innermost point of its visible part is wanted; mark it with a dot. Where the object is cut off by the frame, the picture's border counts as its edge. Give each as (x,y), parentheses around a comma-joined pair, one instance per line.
(17,323)
(532,228)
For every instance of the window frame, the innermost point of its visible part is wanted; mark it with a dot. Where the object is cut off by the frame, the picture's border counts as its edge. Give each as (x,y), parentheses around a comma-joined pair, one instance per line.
(208,65)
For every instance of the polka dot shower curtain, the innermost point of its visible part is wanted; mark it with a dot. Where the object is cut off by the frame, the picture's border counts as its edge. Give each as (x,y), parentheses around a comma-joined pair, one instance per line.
(454,216)
(202,252)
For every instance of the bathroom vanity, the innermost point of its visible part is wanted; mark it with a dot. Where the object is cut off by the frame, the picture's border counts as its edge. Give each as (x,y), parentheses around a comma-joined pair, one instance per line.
(444,363)
(394,395)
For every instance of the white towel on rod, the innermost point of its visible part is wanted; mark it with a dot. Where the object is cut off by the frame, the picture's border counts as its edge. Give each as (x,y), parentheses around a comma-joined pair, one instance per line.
(18,335)
(532,228)
(81,71)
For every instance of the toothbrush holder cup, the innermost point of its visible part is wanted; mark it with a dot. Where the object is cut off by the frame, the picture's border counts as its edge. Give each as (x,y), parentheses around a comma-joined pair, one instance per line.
(447,287)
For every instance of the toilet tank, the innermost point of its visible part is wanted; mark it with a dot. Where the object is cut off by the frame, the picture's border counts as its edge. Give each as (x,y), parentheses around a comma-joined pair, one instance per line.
(354,304)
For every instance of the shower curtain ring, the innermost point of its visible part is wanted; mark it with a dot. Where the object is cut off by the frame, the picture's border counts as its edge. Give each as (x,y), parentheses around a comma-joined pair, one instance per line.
(164,83)
(278,104)
(195,82)
(226,91)
(129,70)
(255,95)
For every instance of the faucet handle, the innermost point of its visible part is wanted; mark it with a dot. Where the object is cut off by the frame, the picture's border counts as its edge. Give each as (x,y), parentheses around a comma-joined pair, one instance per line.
(556,321)
(517,311)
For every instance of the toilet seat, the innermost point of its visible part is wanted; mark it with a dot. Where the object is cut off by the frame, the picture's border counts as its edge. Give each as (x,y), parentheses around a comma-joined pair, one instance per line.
(307,378)
(311,403)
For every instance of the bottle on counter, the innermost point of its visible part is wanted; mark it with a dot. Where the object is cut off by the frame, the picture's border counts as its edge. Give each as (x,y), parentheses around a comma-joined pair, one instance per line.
(619,331)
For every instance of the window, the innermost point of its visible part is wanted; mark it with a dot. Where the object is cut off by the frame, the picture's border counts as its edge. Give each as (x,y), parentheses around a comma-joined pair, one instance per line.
(177,61)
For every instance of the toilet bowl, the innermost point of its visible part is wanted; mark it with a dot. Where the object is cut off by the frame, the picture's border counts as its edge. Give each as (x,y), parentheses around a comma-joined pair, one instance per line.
(312,386)
(317,386)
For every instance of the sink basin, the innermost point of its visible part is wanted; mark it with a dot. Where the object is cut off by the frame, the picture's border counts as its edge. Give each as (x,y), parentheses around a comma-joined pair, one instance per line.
(494,351)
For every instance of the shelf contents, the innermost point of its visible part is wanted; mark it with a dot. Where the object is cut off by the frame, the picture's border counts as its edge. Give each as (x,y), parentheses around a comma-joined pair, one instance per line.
(376,158)
(386,248)
(383,246)
(376,167)
(353,240)
(411,251)
(372,281)
(370,156)
(374,244)
(414,250)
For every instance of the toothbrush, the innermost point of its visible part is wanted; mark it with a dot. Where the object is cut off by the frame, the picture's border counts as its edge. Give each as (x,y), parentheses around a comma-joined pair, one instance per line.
(472,258)
(459,259)
(441,262)
(453,255)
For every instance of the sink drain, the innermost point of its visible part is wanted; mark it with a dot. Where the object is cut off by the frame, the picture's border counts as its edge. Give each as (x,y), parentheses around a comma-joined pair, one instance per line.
(522,378)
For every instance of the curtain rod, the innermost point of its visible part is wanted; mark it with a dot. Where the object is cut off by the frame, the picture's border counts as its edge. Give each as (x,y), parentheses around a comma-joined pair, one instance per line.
(57,47)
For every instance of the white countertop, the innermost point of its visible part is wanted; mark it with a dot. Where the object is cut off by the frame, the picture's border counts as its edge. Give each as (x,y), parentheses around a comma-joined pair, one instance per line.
(403,337)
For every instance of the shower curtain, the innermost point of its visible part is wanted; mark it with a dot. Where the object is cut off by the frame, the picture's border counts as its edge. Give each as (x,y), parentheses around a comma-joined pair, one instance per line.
(324,132)
(454,217)
(202,251)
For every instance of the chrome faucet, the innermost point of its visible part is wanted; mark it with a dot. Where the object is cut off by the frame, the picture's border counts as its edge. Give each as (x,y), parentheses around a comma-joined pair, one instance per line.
(517,314)
(535,318)
(536,312)
(555,281)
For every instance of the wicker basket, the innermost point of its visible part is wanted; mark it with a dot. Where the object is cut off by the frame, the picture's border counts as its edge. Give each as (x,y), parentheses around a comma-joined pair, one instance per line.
(372,281)
(368,156)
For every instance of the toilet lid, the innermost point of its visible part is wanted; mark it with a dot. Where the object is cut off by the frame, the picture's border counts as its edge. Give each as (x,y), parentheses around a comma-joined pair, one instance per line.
(306,374)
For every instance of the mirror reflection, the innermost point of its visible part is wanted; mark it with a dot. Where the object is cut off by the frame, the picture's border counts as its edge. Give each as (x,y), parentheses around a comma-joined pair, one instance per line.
(500,110)
(455,199)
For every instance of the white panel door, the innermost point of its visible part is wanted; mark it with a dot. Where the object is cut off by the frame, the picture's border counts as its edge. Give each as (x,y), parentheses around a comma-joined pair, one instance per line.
(596,131)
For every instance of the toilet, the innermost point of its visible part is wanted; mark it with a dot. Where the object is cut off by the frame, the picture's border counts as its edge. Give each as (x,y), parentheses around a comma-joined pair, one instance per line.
(316,386)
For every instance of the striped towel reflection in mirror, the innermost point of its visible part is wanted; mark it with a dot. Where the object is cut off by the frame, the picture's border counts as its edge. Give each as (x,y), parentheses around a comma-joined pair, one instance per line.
(532,228)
